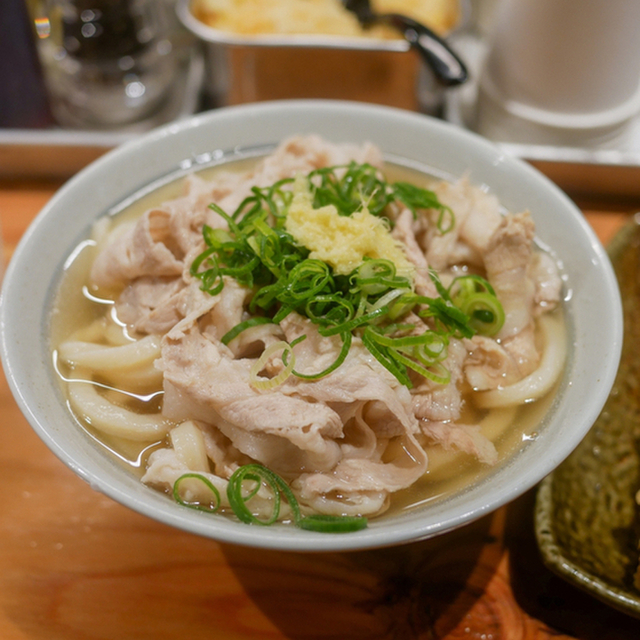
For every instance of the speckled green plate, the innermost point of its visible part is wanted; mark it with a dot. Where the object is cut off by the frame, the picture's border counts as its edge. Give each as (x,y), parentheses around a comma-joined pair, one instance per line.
(587,519)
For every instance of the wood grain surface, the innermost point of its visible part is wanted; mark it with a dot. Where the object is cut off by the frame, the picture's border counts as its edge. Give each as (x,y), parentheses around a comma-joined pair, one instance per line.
(74,565)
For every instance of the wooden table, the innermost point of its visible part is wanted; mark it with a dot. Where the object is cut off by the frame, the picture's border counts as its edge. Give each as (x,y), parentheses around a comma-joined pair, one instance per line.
(74,565)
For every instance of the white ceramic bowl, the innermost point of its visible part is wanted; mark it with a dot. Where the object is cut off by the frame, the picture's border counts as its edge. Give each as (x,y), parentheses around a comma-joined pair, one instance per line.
(593,304)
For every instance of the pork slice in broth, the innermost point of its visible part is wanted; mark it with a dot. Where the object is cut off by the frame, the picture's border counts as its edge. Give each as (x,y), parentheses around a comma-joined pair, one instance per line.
(285,433)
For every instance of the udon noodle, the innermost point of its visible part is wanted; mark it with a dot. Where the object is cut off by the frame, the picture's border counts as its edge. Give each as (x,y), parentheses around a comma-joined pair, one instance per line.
(354,353)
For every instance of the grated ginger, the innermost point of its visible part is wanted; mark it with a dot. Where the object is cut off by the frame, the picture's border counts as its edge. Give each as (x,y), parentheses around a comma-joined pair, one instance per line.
(342,241)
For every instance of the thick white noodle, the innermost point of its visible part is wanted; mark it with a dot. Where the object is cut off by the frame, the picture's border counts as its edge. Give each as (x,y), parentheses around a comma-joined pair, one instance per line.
(188,443)
(112,419)
(144,380)
(99,358)
(538,383)
(93,332)
(115,334)
(492,426)
(496,422)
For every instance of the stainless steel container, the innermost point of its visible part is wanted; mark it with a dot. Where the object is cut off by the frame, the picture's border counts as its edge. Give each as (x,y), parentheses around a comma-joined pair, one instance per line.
(242,69)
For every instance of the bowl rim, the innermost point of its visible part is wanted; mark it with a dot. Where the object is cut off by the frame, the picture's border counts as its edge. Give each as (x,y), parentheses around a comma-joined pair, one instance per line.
(467,505)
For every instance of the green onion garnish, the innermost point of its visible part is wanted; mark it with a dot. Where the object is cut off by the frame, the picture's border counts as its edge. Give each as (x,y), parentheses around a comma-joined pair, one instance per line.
(239,328)
(360,183)
(213,505)
(477,299)
(246,482)
(258,252)
(259,476)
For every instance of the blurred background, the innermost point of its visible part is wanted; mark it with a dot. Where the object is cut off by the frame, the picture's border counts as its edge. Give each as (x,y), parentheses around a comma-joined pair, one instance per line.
(91,64)
(110,64)
(556,82)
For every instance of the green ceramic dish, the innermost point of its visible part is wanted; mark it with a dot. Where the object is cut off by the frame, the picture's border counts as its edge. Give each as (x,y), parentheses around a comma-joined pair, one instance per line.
(587,518)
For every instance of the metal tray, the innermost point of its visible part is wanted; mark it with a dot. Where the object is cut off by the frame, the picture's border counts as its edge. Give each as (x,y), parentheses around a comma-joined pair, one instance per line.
(251,68)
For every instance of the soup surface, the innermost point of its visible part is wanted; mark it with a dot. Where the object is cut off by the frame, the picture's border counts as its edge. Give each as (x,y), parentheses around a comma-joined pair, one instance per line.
(371,337)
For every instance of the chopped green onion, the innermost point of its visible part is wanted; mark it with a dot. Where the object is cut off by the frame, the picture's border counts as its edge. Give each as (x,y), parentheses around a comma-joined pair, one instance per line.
(354,323)
(432,350)
(393,353)
(258,365)
(442,378)
(332,524)
(258,252)
(238,499)
(448,315)
(212,281)
(259,476)
(477,299)
(369,339)
(239,496)
(211,508)
(377,276)
(359,184)
(329,309)
(342,356)
(485,312)
(389,297)
(416,198)
(239,328)
(306,280)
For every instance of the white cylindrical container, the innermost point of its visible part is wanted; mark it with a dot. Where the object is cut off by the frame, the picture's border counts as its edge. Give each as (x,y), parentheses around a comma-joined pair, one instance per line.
(566,64)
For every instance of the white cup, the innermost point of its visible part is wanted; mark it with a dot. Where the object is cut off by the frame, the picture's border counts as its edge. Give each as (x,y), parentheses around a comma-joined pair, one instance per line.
(563,64)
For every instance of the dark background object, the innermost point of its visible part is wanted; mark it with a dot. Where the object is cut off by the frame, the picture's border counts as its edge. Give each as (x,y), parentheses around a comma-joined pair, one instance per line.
(102,29)
(23,98)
